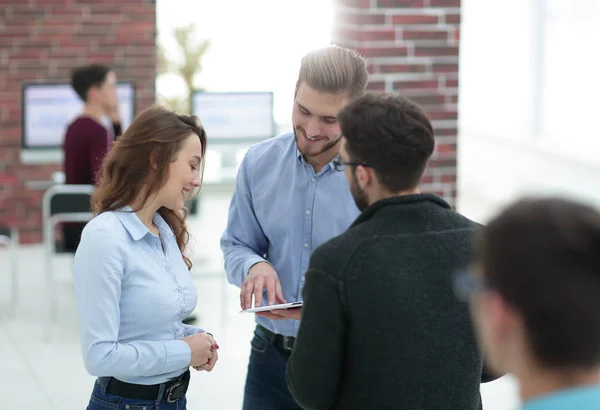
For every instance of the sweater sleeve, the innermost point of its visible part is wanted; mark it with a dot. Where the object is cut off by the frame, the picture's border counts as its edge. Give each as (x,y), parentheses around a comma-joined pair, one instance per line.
(315,368)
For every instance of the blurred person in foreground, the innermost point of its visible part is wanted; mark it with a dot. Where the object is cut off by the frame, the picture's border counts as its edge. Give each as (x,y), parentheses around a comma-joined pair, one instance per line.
(380,327)
(132,277)
(288,200)
(535,295)
(87,140)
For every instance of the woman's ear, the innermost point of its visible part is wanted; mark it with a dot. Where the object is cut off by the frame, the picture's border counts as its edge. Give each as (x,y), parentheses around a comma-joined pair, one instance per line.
(153,162)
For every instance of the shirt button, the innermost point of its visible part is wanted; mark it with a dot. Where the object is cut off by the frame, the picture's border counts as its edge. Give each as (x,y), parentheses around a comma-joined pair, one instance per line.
(302,278)
(179,290)
(314,179)
(307,212)
(306,245)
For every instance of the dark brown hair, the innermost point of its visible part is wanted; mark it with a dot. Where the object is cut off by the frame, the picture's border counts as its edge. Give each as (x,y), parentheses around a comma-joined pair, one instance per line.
(84,78)
(542,255)
(392,134)
(127,171)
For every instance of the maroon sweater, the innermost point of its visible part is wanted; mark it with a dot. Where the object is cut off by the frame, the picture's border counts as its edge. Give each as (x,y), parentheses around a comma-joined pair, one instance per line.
(86,144)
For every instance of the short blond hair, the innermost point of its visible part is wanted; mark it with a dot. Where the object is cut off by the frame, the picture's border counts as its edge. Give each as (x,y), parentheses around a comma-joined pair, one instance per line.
(335,70)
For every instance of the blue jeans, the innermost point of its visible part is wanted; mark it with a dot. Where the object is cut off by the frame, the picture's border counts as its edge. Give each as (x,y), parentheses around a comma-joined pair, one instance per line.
(266,388)
(102,400)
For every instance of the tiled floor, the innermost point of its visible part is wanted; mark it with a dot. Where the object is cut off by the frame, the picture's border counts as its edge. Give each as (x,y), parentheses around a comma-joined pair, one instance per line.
(39,374)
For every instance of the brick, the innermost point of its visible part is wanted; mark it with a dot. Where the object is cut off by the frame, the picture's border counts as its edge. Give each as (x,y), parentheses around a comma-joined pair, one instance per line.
(444,68)
(27,53)
(393,4)
(444,3)
(448,179)
(425,51)
(371,19)
(377,35)
(446,148)
(445,131)
(425,100)
(442,163)
(452,18)
(402,68)
(424,34)
(398,51)
(443,115)
(451,82)
(407,19)
(10,136)
(427,179)
(418,84)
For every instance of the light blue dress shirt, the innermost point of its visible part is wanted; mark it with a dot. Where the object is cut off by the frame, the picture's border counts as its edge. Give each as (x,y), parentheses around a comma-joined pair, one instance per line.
(582,398)
(280,212)
(131,299)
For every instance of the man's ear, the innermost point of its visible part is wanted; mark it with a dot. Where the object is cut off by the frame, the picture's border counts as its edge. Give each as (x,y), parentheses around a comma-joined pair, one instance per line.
(91,93)
(504,319)
(365,176)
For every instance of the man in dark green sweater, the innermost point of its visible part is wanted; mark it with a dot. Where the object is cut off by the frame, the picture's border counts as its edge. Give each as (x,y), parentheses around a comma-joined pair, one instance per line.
(381,327)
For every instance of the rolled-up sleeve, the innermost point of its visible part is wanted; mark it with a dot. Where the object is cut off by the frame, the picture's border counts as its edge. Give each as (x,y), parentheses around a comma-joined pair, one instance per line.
(98,271)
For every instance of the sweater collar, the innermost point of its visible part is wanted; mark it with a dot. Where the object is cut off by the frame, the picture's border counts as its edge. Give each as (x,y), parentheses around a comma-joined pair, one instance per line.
(396,201)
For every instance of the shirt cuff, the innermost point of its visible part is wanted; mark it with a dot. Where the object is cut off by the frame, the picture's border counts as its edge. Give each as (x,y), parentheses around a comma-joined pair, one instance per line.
(178,355)
(189,330)
(251,262)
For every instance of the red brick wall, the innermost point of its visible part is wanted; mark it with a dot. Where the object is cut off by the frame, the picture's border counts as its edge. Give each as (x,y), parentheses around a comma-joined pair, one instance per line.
(45,40)
(412,49)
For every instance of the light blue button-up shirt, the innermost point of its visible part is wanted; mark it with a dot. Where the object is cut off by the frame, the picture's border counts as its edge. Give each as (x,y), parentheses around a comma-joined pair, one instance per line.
(280,212)
(582,398)
(131,299)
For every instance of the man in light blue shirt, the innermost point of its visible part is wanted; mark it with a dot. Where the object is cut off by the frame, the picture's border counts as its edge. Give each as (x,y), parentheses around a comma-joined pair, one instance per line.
(534,292)
(289,199)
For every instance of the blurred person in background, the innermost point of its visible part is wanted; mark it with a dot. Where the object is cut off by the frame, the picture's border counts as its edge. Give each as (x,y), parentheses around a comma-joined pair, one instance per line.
(87,140)
(534,290)
(288,200)
(132,277)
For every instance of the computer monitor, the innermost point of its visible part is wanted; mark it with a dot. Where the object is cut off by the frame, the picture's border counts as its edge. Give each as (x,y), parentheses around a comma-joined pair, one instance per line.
(235,115)
(49,108)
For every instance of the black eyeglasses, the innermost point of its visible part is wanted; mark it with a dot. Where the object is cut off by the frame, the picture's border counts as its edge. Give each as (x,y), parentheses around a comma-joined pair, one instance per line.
(466,285)
(339,165)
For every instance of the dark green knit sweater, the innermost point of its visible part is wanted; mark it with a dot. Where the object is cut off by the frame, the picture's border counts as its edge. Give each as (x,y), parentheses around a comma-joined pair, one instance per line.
(381,327)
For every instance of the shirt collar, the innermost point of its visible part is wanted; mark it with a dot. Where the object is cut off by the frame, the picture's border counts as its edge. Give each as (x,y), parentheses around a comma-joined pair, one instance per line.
(136,228)
(582,398)
(330,165)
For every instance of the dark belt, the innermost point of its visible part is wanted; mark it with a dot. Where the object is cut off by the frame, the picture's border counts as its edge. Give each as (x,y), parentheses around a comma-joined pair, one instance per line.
(175,389)
(285,343)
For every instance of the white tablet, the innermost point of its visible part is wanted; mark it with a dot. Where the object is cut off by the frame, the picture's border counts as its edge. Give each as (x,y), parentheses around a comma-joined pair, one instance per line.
(266,308)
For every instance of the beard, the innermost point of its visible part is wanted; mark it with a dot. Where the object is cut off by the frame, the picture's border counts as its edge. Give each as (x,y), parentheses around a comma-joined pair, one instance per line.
(299,133)
(358,194)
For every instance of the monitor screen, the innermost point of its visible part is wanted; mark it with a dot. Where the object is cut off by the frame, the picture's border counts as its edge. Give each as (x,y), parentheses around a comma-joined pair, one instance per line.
(49,108)
(243,115)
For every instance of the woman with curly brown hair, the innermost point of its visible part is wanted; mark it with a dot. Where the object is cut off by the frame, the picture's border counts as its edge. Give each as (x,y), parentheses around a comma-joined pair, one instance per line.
(132,278)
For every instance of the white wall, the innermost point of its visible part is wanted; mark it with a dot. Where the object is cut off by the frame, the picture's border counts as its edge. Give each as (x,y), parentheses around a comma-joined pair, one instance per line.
(529,89)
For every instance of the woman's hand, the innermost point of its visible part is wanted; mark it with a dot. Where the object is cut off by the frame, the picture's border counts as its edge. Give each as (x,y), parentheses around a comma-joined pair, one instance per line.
(201,345)
(213,359)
